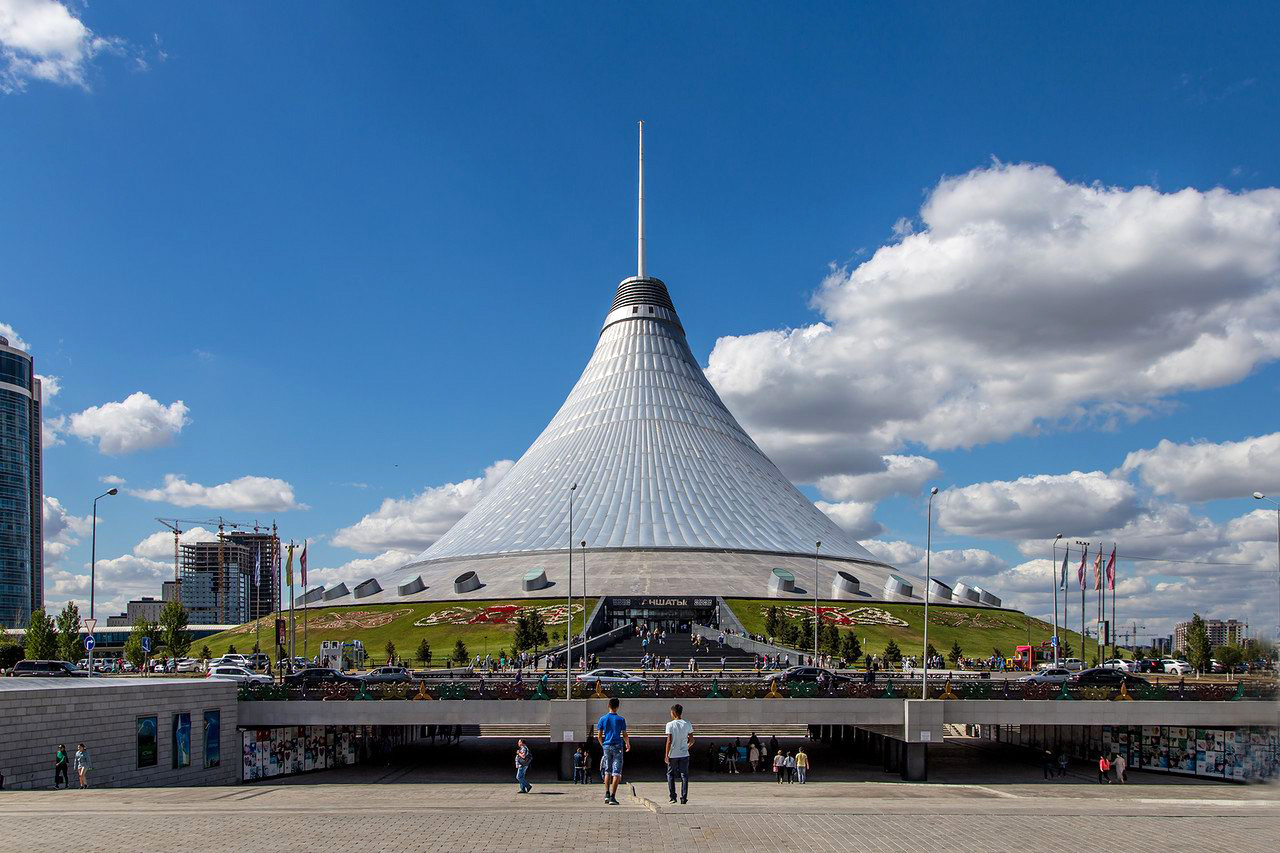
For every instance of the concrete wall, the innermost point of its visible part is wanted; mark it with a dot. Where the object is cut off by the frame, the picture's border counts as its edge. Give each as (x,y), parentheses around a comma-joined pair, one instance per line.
(36,714)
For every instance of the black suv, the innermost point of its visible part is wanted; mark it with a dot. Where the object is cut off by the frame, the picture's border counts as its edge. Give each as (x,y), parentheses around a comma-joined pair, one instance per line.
(807,673)
(1104,677)
(47,669)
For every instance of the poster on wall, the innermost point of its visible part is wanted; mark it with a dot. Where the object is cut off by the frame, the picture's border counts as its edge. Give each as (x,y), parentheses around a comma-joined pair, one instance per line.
(212,738)
(147,748)
(181,740)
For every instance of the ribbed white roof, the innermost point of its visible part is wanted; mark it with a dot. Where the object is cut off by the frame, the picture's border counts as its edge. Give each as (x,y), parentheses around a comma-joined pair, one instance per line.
(658,459)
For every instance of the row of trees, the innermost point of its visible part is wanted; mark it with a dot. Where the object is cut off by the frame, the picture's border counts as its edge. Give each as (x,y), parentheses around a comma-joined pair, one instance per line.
(59,638)
(832,641)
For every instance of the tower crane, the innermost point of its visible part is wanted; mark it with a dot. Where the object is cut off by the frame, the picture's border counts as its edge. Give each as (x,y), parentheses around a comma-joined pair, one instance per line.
(219,522)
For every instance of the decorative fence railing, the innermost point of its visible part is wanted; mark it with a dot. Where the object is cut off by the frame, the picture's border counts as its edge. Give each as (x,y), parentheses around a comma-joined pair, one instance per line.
(716,688)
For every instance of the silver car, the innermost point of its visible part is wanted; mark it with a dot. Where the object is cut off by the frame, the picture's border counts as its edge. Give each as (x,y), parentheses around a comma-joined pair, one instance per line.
(238,674)
(609,676)
(1051,675)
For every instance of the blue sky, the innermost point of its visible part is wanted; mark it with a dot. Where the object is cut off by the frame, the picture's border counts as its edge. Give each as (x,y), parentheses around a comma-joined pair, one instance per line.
(368,249)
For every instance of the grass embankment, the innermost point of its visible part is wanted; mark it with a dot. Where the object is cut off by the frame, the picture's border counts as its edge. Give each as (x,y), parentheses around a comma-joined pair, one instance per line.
(978,630)
(483,629)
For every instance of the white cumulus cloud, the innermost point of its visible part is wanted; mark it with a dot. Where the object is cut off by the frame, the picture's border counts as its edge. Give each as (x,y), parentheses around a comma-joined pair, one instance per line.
(857,517)
(1038,507)
(159,545)
(1204,471)
(1024,302)
(136,423)
(412,524)
(265,494)
(62,530)
(900,475)
(44,40)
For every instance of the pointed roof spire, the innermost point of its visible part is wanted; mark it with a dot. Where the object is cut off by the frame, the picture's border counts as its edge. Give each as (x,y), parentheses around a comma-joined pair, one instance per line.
(640,229)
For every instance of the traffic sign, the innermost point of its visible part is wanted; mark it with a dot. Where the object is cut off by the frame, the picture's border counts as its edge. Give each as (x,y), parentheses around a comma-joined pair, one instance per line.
(88,642)
(146,645)
(91,625)
(1053,641)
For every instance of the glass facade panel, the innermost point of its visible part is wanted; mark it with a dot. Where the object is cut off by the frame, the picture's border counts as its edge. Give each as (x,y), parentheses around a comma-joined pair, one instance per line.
(15,508)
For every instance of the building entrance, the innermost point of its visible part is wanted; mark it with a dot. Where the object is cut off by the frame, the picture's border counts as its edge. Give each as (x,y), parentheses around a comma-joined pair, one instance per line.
(674,615)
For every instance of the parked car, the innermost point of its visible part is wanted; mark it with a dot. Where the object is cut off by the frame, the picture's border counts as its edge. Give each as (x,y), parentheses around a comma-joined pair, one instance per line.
(1103,677)
(188,665)
(1118,663)
(1072,664)
(1147,665)
(1173,666)
(388,675)
(238,674)
(1052,675)
(315,676)
(1214,666)
(807,673)
(609,676)
(46,669)
(259,661)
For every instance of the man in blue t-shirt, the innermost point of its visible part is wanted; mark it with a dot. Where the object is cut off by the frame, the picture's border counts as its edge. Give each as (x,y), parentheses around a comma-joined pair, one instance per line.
(611,731)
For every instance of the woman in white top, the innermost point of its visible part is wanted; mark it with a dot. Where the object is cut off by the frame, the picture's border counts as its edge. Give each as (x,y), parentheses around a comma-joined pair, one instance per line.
(779,766)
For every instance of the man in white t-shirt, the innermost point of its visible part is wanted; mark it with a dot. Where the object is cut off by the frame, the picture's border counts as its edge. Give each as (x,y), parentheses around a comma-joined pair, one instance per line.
(679,740)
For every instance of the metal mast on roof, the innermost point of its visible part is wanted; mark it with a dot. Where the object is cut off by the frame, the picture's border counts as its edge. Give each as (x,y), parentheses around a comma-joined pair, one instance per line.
(640,229)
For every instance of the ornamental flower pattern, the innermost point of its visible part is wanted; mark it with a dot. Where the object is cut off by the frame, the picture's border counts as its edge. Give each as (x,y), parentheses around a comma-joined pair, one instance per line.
(842,616)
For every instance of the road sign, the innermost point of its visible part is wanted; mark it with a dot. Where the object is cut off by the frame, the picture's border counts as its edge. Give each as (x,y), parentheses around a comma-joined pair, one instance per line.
(91,625)
(146,645)
(88,642)
(1053,641)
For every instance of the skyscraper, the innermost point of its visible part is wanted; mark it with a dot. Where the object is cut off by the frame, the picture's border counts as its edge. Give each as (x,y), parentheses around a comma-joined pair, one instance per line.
(21,488)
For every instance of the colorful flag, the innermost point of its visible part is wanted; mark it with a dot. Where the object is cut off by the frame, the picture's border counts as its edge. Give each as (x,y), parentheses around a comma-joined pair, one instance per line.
(1097,569)
(1063,584)
(288,568)
(1111,569)
(303,563)
(1084,557)
(257,566)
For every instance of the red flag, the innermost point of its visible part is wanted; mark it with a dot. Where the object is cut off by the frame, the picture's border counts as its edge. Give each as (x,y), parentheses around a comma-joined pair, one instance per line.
(303,564)
(1097,569)
(1084,555)
(1111,569)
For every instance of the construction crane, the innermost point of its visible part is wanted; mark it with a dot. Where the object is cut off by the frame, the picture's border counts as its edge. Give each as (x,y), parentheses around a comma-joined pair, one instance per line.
(219,522)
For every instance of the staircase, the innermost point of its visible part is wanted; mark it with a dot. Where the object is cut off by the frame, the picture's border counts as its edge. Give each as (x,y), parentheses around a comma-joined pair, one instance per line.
(679,647)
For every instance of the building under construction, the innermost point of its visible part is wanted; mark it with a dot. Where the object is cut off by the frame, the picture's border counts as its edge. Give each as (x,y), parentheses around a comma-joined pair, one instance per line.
(215,582)
(264,586)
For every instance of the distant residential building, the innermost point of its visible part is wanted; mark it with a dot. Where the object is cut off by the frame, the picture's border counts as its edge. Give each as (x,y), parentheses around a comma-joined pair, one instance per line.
(1221,632)
(215,582)
(144,609)
(121,621)
(264,585)
(169,590)
(21,489)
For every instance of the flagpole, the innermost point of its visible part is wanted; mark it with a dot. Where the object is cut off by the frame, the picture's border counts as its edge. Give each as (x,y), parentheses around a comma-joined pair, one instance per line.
(257,601)
(305,651)
(293,637)
(1111,580)
(1066,598)
(1053,571)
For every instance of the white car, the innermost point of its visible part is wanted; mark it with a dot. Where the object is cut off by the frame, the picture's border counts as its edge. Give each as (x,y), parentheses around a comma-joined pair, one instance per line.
(609,676)
(1052,675)
(1118,663)
(188,665)
(238,674)
(1173,666)
(1072,664)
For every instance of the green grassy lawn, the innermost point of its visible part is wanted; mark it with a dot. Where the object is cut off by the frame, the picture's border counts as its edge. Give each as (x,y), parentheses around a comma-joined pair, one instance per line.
(978,630)
(375,624)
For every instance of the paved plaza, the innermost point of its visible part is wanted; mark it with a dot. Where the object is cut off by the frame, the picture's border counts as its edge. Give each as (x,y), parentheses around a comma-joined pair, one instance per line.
(979,802)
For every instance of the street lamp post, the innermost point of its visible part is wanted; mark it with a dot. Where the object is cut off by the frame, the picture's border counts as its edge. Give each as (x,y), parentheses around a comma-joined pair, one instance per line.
(1259,496)
(1053,578)
(93,561)
(928,559)
(568,631)
(817,545)
(583,547)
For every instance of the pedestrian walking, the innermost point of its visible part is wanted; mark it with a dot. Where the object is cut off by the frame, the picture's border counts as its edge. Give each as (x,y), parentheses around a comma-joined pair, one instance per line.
(1063,761)
(1120,765)
(753,757)
(731,759)
(1048,765)
(611,731)
(676,756)
(83,764)
(60,767)
(579,767)
(1104,770)
(791,768)
(779,766)
(523,759)
(802,765)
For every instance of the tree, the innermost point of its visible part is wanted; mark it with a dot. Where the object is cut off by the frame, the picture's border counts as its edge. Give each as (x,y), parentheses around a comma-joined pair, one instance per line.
(892,653)
(70,646)
(1198,650)
(1229,656)
(41,642)
(1139,653)
(174,635)
(133,652)
(205,654)
(850,647)
(537,629)
(460,655)
(804,634)
(521,640)
(773,622)
(790,634)
(390,649)
(830,636)
(231,649)
(10,651)
(930,652)
(956,654)
(424,651)
(1066,649)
